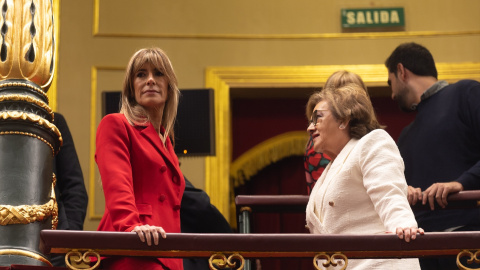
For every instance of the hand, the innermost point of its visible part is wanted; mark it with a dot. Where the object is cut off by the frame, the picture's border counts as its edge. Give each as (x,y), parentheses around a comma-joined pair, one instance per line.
(147,232)
(409,233)
(439,192)
(414,195)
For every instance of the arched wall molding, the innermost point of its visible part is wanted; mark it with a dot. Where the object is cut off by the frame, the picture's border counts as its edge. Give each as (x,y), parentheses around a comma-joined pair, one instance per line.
(265,153)
(221,79)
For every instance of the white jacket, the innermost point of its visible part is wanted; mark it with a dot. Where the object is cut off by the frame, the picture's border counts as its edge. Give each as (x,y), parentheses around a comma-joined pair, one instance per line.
(363,191)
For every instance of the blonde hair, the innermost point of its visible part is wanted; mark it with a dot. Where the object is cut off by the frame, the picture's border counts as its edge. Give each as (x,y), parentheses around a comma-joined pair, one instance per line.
(337,79)
(343,77)
(134,112)
(348,103)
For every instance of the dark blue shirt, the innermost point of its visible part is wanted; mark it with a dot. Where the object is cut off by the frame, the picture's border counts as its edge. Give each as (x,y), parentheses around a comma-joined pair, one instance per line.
(442,144)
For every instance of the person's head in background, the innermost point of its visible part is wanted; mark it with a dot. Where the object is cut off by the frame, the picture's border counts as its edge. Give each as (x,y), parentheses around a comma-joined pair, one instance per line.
(411,70)
(150,90)
(344,77)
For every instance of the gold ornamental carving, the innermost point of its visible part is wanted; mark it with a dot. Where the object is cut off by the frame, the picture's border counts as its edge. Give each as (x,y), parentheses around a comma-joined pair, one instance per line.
(25,214)
(18,115)
(473,258)
(28,99)
(27,45)
(55,205)
(76,260)
(221,261)
(337,259)
(24,85)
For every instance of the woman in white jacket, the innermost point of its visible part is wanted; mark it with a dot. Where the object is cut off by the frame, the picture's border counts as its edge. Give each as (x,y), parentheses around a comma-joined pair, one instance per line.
(363,189)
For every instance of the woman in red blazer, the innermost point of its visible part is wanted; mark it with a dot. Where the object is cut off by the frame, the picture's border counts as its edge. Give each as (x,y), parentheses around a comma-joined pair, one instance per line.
(141,178)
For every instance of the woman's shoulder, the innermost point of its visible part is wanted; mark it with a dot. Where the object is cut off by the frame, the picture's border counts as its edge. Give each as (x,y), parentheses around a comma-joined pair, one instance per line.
(377,136)
(113,120)
(378,143)
(114,117)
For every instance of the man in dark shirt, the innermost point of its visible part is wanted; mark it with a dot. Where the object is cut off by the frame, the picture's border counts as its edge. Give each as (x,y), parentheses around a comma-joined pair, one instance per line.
(70,189)
(198,215)
(441,147)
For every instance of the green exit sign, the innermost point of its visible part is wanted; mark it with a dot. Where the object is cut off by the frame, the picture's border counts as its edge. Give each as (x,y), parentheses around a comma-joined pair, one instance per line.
(373,17)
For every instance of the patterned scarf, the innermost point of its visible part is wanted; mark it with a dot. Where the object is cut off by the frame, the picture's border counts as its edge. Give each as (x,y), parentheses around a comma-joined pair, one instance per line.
(314,164)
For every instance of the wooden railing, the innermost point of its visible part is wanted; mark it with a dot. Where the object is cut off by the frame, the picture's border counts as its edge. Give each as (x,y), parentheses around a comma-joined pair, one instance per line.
(248,204)
(223,250)
(221,247)
(297,203)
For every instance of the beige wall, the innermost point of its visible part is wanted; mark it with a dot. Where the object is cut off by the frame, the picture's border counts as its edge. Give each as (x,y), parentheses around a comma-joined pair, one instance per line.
(98,37)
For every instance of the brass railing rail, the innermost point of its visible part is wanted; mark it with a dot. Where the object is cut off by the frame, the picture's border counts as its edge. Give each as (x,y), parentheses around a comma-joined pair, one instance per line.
(260,245)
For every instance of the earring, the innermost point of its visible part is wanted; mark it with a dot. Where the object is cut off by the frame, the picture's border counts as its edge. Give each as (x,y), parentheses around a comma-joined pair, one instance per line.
(341,126)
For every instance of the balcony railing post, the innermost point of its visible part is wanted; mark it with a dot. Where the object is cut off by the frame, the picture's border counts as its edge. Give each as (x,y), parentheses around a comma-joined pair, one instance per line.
(244,227)
(244,220)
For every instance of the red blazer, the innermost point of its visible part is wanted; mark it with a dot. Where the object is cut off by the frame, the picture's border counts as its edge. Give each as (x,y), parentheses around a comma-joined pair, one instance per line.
(141,178)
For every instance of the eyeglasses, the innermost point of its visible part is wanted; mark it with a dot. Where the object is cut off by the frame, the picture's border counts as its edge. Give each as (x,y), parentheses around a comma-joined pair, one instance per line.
(314,119)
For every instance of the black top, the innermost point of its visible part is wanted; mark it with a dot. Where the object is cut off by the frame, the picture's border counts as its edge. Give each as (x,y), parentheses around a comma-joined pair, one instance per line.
(70,189)
(442,144)
(198,215)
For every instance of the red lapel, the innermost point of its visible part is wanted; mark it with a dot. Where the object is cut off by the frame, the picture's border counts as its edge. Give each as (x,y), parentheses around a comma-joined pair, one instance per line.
(167,152)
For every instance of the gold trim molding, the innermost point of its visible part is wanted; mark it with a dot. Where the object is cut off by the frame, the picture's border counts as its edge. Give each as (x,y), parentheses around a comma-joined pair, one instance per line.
(316,36)
(17,115)
(19,252)
(52,90)
(28,99)
(20,84)
(30,135)
(221,79)
(313,36)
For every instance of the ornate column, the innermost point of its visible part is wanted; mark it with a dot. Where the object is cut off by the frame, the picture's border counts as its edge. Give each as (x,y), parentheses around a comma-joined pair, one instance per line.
(28,139)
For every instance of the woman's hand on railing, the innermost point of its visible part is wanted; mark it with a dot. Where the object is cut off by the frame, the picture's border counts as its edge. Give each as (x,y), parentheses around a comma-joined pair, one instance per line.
(147,232)
(409,233)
